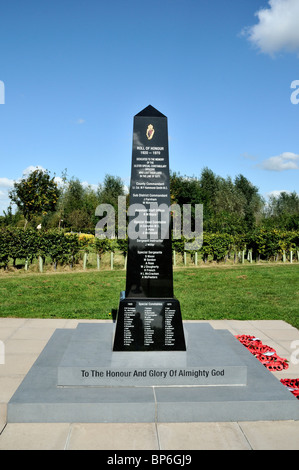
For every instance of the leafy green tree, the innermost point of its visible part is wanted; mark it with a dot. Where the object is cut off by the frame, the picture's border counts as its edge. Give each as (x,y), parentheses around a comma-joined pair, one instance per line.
(78,220)
(253,201)
(109,191)
(185,190)
(77,206)
(209,185)
(36,194)
(90,202)
(282,211)
(73,197)
(229,208)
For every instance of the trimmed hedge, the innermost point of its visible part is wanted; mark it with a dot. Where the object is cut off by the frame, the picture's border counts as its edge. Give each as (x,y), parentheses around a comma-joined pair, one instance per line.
(64,248)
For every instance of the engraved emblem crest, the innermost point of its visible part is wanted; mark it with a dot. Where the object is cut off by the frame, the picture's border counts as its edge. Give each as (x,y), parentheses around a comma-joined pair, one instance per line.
(150,131)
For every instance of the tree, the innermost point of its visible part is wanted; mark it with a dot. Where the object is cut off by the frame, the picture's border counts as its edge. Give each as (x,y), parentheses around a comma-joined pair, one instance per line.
(283,211)
(185,190)
(73,197)
(110,190)
(285,203)
(37,194)
(253,201)
(209,185)
(78,206)
(79,220)
(90,202)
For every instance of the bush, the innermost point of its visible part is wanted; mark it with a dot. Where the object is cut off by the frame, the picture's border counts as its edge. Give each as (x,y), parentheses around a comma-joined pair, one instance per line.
(61,247)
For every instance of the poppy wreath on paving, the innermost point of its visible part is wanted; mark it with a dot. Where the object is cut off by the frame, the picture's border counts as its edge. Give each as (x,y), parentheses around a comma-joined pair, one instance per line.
(264,353)
(293,386)
(268,357)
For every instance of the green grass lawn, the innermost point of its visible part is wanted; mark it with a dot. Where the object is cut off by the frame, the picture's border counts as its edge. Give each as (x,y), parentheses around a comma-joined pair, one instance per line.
(251,292)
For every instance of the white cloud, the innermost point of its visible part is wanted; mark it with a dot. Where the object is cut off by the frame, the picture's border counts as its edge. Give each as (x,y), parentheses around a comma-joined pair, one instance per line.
(285,161)
(80,121)
(85,185)
(248,156)
(6,183)
(59,181)
(277,192)
(31,168)
(277,29)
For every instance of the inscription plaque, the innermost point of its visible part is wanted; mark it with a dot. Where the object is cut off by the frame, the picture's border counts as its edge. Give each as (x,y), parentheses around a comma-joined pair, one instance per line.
(149,317)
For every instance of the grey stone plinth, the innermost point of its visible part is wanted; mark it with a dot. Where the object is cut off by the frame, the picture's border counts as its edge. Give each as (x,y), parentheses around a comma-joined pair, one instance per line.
(89,360)
(39,398)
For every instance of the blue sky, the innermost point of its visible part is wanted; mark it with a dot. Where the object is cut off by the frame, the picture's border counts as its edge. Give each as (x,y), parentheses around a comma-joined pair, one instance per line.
(76,72)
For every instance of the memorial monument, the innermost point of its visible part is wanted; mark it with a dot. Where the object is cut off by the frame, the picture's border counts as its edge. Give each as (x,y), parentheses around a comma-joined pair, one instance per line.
(149,317)
(149,367)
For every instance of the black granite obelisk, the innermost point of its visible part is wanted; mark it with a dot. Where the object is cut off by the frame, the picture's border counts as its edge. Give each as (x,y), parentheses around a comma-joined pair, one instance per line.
(149,317)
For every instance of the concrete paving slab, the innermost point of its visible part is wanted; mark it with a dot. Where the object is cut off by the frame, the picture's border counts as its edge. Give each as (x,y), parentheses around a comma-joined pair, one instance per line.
(3,417)
(34,436)
(278,435)
(14,323)
(287,334)
(264,325)
(33,333)
(113,436)
(17,364)
(201,436)
(5,333)
(8,385)
(24,346)
(51,323)
(249,330)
